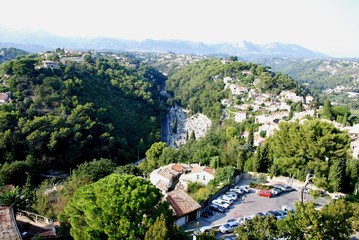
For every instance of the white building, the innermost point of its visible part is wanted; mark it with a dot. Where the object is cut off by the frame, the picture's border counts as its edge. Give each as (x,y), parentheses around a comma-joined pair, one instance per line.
(184,207)
(166,177)
(354,134)
(291,96)
(354,146)
(202,174)
(4,97)
(269,128)
(50,64)
(265,118)
(240,116)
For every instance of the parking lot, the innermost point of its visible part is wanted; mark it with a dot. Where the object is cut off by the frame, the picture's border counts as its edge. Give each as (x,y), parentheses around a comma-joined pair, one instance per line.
(251,206)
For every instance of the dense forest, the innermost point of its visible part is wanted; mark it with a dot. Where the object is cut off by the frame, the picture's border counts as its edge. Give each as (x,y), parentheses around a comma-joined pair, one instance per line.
(58,118)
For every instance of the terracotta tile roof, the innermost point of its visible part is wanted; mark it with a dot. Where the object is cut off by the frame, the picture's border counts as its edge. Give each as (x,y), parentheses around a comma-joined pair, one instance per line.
(162,186)
(165,174)
(8,227)
(209,170)
(181,202)
(203,169)
(178,168)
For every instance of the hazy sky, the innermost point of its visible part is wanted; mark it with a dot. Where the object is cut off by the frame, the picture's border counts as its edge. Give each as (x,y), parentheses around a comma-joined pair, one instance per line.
(328,26)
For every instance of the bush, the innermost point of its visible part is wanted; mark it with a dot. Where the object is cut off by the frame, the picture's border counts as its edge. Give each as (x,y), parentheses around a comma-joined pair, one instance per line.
(259,186)
(262,178)
(193,187)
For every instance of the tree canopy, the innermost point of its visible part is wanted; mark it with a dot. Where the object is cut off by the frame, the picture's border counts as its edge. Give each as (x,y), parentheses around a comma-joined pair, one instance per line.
(59,118)
(334,221)
(297,147)
(115,207)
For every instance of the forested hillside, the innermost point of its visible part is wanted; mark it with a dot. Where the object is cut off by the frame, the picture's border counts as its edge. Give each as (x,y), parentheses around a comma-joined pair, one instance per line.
(200,87)
(318,73)
(292,149)
(10,53)
(58,118)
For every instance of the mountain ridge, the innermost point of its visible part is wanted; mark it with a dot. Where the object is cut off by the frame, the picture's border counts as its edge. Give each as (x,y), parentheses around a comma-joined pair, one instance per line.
(35,41)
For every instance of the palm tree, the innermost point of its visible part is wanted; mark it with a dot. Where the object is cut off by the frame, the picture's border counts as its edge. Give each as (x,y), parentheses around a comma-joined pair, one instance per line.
(13,198)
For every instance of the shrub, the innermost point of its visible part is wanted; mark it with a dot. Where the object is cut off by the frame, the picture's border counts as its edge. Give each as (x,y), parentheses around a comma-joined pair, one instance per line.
(262,178)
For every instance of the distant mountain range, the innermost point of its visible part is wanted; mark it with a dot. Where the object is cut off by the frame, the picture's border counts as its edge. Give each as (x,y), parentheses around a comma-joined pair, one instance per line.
(35,41)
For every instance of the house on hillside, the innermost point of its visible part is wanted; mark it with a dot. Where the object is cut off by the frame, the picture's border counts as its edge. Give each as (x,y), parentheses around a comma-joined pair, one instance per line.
(246,72)
(353,132)
(184,207)
(4,97)
(269,128)
(291,96)
(265,118)
(227,80)
(50,64)
(202,174)
(165,178)
(257,139)
(240,116)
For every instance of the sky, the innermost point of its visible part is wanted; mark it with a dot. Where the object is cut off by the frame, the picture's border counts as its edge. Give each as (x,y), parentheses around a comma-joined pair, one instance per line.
(327,26)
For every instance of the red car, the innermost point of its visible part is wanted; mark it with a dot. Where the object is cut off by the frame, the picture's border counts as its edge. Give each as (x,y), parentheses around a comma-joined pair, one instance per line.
(265,193)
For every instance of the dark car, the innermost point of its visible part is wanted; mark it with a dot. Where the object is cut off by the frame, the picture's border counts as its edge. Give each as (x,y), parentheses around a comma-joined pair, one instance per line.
(207,213)
(281,214)
(217,208)
(273,213)
(260,214)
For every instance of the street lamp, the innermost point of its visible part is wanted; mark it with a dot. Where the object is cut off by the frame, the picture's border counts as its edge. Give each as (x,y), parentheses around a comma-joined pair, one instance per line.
(309,177)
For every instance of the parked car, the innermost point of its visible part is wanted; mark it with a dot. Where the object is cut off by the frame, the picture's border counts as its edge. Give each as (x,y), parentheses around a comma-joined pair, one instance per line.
(273,213)
(207,213)
(231,220)
(288,188)
(226,200)
(204,229)
(228,227)
(245,188)
(232,194)
(217,208)
(260,214)
(248,218)
(276,191)
(221,203)
(229,197)
(282,214)
(284,188)
(265,193)
(237,190)
(287,208)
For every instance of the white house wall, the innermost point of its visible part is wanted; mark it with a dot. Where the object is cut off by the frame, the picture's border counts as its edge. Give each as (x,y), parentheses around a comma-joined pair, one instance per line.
(203,177)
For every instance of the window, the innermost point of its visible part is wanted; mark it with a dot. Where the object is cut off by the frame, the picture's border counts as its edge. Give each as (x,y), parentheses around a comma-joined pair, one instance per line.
(197,176)
(204,178)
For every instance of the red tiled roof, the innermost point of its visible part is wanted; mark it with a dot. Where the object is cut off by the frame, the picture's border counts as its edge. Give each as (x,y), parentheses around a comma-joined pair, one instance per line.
(203,169)
(178,168)
(209,170)
(181,202)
